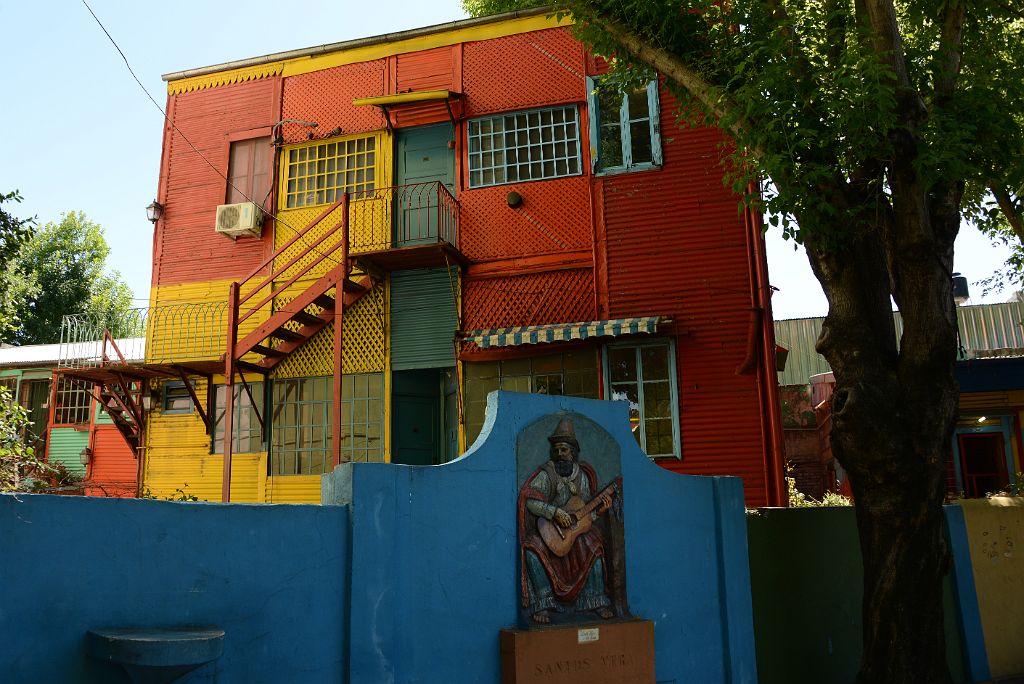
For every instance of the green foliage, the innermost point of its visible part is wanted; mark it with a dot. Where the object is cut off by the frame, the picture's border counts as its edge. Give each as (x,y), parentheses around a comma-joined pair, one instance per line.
(798,499)
(179,495)
(479,8)
(60,270)
(14,232)
(21,470)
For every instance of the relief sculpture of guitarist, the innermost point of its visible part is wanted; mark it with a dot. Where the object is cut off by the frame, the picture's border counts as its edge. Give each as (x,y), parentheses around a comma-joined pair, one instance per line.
(564,569)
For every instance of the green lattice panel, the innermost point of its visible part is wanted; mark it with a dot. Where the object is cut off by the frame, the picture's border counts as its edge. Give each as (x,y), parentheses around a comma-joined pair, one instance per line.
(363,342)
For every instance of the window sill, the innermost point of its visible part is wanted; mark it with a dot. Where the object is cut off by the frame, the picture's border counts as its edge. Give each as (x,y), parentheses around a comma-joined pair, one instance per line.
(618,171)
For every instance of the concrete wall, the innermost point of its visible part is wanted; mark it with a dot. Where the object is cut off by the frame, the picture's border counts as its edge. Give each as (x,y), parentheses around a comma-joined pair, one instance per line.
(995,533)
(273,577)
(446,537)
(807,587)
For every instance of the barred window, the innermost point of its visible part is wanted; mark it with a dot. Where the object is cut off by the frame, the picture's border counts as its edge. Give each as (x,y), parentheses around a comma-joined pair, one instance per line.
(301,423)
(74,397)
(321,173)
(524,146)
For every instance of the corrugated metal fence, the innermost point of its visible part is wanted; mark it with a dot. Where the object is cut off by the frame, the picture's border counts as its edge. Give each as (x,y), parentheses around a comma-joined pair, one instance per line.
(985,330)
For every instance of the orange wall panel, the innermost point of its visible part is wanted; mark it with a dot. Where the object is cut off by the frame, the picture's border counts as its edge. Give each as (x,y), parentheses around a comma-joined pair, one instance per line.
(326,98)
(523,71)
(186,248)
(676,247)
(554,217)
(113,469)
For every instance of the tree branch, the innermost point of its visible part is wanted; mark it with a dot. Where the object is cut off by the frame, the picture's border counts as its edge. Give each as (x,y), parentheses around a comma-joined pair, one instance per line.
(674,68)
(1009,209)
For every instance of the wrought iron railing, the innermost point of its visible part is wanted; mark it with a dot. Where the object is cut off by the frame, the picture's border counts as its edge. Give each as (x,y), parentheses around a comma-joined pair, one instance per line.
(402,216)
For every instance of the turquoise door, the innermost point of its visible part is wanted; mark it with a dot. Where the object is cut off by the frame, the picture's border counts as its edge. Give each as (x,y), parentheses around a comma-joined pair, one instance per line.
(423,156)
(416,422)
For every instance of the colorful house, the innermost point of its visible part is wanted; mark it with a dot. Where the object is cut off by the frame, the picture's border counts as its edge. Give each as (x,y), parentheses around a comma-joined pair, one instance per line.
(986,449)
(68,423)
(359,241)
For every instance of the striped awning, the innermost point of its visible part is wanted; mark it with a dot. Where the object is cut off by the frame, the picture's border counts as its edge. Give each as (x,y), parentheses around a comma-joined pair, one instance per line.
(561,332)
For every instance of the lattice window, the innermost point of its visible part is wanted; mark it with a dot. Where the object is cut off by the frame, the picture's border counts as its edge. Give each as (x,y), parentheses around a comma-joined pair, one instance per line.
(524,146)
(301,427)
(321,172)
(74,397)
(245,426)
(572,374)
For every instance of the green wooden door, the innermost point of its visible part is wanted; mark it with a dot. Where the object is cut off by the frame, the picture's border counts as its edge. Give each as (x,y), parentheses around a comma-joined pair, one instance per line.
(423,155)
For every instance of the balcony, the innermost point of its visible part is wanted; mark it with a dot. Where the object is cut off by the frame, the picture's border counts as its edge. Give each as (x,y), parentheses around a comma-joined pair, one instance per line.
(405,226)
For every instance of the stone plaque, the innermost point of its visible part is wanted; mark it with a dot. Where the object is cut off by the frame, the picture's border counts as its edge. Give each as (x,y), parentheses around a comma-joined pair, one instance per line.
(605,653)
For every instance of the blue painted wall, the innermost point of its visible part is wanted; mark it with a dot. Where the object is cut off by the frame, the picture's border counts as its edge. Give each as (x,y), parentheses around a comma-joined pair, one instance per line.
(273,577)
(436,575)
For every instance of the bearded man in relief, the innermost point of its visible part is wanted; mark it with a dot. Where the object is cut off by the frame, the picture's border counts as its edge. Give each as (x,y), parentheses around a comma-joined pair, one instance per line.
(563,566)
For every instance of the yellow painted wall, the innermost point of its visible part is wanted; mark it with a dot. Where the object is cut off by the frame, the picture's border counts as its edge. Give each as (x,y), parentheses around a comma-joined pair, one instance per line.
(293,489)
(178,456)
(370,216)
(995,533)
(188,322)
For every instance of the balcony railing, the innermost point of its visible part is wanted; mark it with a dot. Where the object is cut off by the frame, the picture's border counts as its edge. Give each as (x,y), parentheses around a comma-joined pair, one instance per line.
(170,333)
(403,216)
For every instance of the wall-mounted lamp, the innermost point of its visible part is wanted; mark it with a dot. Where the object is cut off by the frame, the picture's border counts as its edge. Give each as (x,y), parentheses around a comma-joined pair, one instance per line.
(147,402)
(961,293)
(154,211)
(85,455)
(514,199)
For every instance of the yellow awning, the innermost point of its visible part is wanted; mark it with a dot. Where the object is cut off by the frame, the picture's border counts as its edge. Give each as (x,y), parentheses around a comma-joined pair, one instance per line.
(404,98)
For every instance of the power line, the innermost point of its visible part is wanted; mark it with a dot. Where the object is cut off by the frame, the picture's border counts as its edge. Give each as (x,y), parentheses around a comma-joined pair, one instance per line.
(185,138)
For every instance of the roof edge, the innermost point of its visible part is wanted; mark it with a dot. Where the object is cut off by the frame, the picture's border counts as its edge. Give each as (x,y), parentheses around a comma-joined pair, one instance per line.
(356,43)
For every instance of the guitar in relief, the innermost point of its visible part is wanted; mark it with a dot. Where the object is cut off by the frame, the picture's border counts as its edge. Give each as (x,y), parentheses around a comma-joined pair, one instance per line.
(560,539)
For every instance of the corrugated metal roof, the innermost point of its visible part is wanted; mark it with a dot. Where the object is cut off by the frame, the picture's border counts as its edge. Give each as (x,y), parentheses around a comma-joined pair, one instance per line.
(134,349)
(986,330)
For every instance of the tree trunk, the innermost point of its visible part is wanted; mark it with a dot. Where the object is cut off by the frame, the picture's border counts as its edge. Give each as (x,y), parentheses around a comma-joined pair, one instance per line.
(893,413)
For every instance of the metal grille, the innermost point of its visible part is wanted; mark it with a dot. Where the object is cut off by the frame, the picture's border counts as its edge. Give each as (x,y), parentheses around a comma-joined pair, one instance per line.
(553,297)
(363,342)
(531,145)
(326,98)
(537,68)
(319,173)
(554,217)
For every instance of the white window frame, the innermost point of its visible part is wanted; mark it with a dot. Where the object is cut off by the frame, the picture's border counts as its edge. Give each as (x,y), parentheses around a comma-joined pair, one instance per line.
(477,153)
(594,116)
(637,345)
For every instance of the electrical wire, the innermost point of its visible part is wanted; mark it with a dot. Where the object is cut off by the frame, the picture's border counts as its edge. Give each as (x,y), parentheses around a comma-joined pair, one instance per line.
(177,130)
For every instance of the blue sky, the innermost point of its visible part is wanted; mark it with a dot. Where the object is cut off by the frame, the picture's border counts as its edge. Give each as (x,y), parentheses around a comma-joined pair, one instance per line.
(81,135)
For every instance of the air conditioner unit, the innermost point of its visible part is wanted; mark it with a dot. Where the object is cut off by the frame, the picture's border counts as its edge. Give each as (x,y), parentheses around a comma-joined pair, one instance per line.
(244,218)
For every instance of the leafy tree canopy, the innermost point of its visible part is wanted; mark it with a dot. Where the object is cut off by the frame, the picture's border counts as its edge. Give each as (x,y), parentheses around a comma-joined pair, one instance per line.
(881,126)
(60,270)
(13,234)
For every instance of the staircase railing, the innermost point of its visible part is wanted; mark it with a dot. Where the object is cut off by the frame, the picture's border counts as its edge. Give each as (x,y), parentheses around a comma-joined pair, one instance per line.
(403,215)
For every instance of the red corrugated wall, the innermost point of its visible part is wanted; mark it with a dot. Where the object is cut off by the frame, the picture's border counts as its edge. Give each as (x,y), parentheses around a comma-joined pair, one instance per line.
(112,469)
(186,249)
(677,247)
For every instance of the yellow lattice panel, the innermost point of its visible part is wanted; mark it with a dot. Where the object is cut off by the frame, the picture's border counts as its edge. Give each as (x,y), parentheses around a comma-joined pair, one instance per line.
(294,489)
(363,342)
(188,322)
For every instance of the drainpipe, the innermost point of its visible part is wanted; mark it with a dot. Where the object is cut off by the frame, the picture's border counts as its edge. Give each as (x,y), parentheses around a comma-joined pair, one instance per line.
(767,377)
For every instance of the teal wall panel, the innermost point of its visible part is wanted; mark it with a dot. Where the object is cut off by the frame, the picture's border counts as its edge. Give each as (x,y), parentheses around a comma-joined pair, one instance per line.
(423,318)
(66,446)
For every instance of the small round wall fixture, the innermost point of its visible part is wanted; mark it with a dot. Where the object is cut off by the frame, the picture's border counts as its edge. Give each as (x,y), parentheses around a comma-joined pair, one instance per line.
(154,211)
(515,200)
